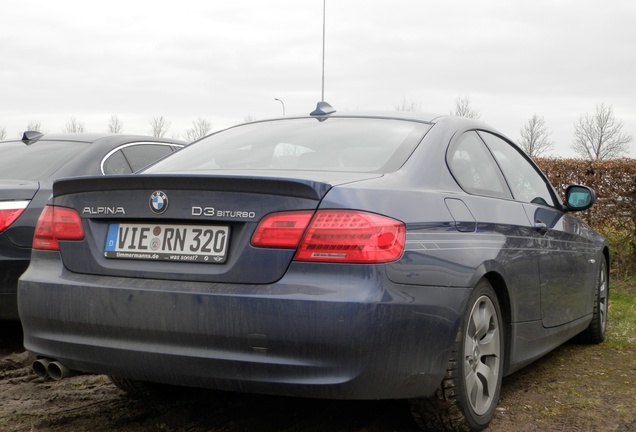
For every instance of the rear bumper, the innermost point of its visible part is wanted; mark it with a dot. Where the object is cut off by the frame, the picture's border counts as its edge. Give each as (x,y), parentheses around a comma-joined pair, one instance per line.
(350,334)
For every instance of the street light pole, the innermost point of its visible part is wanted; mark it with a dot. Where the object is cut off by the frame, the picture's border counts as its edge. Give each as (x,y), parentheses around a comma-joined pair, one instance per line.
(283,104)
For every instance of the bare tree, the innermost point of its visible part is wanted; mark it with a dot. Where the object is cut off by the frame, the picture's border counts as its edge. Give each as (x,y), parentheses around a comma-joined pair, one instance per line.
(463,108)
(408,106)
(115,125)
(535,138)
(74,126)
(3,133)
(34,125)
(599,136)
(200,128)
(159,126)
(248,118)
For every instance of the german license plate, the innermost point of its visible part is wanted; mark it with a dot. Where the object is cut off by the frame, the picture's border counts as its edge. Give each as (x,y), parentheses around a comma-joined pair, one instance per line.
(185,243)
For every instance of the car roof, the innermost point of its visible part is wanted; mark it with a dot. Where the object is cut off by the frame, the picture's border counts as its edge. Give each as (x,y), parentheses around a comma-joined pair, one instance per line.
(71,154)
(93,137)
(90,138)
(400,115)
(404,115)
(418,116)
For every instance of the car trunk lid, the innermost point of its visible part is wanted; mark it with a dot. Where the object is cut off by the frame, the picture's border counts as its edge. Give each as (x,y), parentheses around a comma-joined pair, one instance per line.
(172,210)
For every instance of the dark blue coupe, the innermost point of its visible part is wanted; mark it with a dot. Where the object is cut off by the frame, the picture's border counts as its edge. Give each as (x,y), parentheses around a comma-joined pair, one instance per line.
(331,255)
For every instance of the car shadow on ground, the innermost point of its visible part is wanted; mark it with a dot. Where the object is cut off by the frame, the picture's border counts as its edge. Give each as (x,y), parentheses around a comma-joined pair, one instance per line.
(10,337)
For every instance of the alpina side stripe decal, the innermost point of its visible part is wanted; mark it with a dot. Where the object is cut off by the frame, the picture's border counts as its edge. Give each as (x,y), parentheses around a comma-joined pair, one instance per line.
(463,241)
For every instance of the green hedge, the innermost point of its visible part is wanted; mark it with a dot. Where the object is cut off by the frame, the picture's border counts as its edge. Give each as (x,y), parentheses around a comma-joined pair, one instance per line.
(614,214)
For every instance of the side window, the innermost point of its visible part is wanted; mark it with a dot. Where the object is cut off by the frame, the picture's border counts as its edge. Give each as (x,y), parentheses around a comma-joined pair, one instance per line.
(142,155)
(474,168)
(116,164)
(526,183)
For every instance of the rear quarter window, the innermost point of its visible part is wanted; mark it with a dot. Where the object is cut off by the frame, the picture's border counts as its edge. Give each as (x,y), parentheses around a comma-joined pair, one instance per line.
(474,168)
(133,157)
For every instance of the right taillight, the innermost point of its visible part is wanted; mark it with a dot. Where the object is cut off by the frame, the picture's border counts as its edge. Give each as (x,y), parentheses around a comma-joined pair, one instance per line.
(10,211)
(281,230)
(350,236)
(345,236)
(54,224)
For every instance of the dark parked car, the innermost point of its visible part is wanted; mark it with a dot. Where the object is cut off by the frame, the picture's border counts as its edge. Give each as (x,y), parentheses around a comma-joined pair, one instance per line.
(27,170)
(331,256)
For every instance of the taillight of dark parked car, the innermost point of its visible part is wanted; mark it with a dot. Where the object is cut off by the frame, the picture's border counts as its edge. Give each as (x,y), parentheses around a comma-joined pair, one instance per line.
(10,211)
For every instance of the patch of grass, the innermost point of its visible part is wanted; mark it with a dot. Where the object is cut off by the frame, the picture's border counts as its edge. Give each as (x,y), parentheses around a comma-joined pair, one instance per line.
(621,324)
(625,285)
(622,250)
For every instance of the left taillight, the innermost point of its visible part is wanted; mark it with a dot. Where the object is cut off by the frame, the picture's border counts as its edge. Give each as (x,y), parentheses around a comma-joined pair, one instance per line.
(10,211)
(54,224)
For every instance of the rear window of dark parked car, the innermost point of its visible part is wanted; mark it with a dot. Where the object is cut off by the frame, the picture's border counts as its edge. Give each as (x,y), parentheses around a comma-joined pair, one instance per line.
(37,161)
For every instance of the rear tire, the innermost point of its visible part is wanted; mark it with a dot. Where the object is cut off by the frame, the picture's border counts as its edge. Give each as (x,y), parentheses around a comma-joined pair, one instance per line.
(467,398)
(595,333)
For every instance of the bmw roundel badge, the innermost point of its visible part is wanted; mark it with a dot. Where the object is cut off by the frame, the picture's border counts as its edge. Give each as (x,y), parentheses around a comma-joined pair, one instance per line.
(158,202)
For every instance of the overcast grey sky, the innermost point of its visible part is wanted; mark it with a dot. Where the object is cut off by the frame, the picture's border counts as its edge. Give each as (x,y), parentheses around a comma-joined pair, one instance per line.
(227,60)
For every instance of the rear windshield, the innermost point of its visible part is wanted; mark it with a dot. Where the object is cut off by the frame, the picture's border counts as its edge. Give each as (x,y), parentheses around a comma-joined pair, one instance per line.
(37,161)
(335,144)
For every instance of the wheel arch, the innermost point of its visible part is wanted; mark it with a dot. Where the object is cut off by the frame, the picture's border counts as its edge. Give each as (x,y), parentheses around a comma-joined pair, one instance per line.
(494,274)
(500,287)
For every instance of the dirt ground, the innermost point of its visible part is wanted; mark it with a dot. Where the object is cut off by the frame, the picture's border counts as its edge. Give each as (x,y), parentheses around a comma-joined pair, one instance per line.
(575,388)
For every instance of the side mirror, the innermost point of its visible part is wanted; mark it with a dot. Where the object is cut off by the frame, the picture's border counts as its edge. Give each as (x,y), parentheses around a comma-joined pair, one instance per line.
(579,198)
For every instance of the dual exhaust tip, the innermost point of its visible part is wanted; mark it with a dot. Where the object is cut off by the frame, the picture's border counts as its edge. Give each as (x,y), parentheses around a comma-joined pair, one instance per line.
(45,367)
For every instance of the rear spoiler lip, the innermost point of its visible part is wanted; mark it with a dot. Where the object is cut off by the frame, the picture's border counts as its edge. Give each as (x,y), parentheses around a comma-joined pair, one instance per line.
(300,188)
